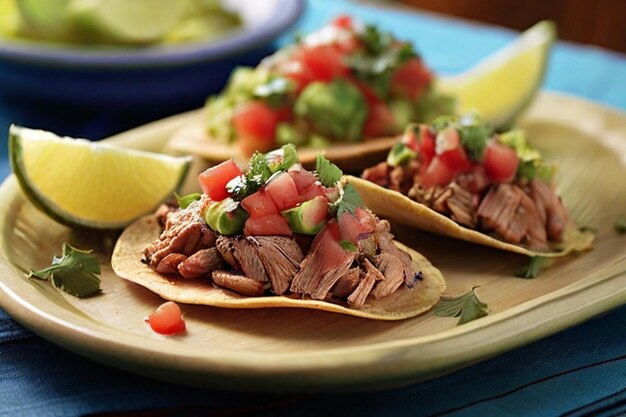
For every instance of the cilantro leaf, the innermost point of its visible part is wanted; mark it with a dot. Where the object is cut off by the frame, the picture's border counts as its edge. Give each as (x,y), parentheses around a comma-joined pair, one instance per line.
(327,172)
(467,306)
(185,200)
(76,272)
(348,246)
(620,226)
(349,200)
(534,267)
(258,173)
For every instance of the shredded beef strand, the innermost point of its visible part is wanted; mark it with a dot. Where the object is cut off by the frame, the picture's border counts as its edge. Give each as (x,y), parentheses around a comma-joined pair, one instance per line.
(238,283)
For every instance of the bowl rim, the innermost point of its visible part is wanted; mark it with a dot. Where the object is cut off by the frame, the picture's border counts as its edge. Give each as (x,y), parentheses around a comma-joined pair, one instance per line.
(62,55)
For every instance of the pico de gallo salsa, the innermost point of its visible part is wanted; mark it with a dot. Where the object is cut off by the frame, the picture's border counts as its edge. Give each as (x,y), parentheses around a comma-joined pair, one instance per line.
(493,182)
(280,229)
(345,82)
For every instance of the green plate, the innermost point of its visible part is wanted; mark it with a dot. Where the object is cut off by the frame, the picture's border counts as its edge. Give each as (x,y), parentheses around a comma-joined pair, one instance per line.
(295,350)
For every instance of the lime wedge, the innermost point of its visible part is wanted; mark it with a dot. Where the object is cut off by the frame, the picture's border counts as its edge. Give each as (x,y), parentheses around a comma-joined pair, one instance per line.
(126,21)
(501,86)
(88,184)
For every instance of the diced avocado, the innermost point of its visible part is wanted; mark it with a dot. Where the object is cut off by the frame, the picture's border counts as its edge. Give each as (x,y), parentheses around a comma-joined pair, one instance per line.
(309,217)
(288,133)
(244,81)
(282,159)
(226,217)
(400,155)
(318,141)
(336,109)
(531,162)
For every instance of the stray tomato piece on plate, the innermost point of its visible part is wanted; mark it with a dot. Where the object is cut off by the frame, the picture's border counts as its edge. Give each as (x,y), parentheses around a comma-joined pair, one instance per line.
(167,319)
(213,181)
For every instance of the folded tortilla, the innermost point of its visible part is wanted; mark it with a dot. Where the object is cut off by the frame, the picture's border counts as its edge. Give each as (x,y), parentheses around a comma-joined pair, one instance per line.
(402,304)
(400,208)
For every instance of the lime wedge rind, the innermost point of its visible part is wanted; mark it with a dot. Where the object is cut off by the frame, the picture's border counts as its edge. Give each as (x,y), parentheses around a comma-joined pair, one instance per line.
(518,69)
(39,198)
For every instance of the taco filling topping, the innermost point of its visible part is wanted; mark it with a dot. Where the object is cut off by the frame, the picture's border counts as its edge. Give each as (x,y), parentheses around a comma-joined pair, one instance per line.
(281,229)
(495,183)
(344,82)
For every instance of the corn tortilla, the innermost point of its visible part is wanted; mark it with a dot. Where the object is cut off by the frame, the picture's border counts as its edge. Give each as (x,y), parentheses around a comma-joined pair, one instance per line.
(396,206)
(402,304)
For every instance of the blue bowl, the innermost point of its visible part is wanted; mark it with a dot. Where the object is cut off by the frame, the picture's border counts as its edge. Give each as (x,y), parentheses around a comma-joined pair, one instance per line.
(154,80)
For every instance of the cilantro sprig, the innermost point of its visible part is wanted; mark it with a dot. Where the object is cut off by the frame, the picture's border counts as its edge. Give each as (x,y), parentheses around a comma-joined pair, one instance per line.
(533,268)
(328,173)
(348,201)
(467,306)
(75,272)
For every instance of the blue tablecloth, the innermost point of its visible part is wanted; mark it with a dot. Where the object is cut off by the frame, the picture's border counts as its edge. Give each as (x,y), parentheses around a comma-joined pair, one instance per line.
(578,372)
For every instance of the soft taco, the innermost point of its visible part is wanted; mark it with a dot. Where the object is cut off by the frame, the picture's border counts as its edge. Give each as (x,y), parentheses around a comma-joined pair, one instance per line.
(277,236)
(348,87)
(458,178)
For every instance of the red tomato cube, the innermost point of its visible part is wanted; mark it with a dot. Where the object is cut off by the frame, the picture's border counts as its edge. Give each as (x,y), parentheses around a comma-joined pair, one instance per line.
(411,79)
(213,181)
(312,191)
(259,204)
(271,225)
(283,192)
(167,319)
(255,124)
(349,227)
(500,162)
(302,178)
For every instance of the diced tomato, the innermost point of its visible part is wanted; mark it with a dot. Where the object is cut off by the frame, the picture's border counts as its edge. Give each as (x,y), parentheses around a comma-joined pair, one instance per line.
(450,151)
(295,70)
(330,251)
(343,21)
(437,173)
(302,178)
(272,225)
(255,124)
(324,62)
(259,204)
(476,179)
(409,138)
(368,92)
(379,122)
(213,181)
(283,114)
(312,191)
(500,162)
(426,145)
(368,222)
(167,319)
(283,192)
(349,227)
(411,79)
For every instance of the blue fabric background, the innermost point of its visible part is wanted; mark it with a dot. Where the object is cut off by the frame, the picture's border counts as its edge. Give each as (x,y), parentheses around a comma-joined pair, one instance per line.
(578,372)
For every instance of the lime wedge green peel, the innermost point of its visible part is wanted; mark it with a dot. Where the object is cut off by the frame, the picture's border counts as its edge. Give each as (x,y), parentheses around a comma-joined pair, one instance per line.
(502,85)
(126,21)
(82,183)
